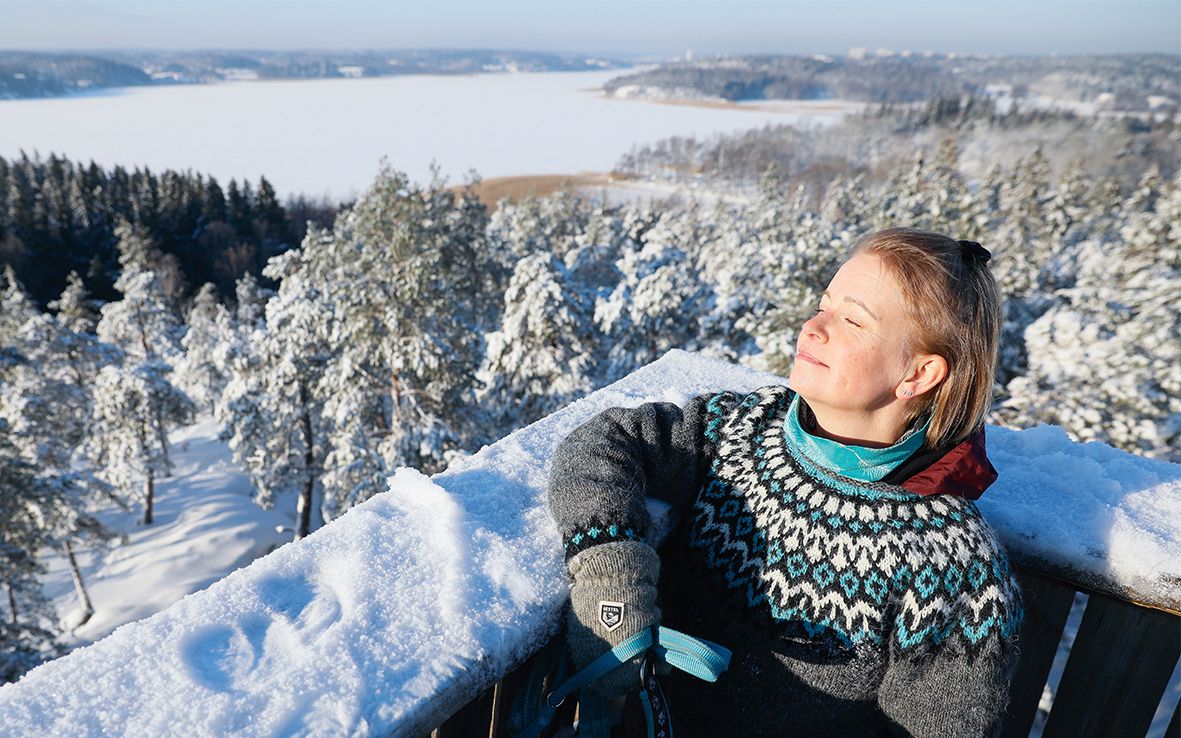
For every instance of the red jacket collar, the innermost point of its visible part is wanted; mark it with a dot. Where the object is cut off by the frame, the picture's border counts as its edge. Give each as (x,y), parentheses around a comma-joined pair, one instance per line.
(964,471)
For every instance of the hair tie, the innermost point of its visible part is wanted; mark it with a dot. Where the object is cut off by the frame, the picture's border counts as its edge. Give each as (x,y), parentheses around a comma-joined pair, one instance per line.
(971,251)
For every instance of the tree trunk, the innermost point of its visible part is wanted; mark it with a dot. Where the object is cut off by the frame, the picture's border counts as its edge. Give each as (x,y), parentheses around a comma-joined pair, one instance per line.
(303,508)
(79,585)
(162,436)
(11,603)
(149,498)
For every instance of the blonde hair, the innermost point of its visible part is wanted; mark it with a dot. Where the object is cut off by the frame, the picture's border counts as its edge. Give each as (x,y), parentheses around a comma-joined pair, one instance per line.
(954,308)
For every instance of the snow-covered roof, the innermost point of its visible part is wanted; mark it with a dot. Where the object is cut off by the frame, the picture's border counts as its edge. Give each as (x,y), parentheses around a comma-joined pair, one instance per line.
(384,621)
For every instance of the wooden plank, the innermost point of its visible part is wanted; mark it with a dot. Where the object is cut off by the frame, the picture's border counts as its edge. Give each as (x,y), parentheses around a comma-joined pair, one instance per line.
(502,703)
(1167,598)
(1047,605)
(1117,672)
(472,720)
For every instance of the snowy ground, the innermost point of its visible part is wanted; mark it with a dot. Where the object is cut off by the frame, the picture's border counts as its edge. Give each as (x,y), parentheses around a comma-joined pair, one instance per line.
(206,525)
(408,605)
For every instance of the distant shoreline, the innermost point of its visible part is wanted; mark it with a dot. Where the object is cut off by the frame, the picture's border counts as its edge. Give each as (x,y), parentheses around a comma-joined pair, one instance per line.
(517,187)
(797,107)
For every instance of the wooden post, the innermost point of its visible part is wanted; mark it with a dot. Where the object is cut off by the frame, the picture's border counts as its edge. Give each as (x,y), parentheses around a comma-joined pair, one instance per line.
(1118,669)
(1047,605)
(473,719)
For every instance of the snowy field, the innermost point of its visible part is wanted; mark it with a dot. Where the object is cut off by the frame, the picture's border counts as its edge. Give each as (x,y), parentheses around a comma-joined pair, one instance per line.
(206,525)
(322,137)
(409,604)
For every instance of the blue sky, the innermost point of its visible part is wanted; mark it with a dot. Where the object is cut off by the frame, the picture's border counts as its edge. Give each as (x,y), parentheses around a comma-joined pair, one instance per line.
(635,26)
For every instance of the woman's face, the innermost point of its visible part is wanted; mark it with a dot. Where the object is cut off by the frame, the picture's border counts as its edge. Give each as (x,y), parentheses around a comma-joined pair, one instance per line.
(852,356)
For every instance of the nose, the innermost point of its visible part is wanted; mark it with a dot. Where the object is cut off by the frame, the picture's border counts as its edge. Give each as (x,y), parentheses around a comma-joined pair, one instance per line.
(815,328)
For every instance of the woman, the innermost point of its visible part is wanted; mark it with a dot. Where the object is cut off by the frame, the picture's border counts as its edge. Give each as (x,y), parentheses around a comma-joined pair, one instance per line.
(828,533)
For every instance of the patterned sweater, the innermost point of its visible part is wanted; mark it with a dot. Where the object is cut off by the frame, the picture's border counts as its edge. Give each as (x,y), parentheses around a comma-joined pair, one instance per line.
(852,608)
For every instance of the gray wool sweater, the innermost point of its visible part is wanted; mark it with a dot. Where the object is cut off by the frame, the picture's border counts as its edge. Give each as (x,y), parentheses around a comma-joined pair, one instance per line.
(851,608)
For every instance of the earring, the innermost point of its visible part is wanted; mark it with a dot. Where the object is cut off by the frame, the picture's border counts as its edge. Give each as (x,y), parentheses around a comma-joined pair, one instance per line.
(908,393)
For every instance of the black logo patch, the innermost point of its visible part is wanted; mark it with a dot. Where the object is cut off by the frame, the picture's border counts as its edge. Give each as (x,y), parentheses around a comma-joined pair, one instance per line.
(611,614)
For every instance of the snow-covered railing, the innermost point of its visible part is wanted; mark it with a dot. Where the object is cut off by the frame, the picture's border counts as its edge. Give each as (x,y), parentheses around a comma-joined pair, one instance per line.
(390,619)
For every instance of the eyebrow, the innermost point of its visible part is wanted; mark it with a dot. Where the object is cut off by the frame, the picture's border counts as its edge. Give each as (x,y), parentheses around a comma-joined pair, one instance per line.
(855,301)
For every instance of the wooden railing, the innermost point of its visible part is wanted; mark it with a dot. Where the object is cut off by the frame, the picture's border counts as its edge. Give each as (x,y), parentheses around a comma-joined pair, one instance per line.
(1115,678)
(473,551)
(1118,669)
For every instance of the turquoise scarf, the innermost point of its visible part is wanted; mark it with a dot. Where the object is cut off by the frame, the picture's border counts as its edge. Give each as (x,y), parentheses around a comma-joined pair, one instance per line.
(857,462)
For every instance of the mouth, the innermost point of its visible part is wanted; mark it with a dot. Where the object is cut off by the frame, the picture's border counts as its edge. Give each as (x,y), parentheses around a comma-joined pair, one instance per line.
(805,356)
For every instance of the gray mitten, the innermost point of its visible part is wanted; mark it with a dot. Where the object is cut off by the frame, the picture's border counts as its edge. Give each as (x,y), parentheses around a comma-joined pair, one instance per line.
(612,597)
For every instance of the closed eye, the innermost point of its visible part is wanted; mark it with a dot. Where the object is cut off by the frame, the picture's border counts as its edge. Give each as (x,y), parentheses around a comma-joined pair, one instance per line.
(853,323)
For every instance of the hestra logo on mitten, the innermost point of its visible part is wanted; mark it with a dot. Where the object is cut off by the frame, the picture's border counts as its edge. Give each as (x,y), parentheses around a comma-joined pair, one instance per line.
(611,614)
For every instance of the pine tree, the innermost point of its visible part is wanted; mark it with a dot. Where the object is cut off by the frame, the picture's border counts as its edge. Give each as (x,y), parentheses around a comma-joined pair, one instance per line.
(542,358)
(1105,360)
(406,271)
(798,254)
(271,411)
(657,304)
(28,625)
(134,406)
(74,308)
(200,370)
(136,403)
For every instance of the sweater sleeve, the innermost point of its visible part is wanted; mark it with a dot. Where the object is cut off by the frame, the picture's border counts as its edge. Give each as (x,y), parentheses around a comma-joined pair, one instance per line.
(957,681)
(949,694)
(603,472)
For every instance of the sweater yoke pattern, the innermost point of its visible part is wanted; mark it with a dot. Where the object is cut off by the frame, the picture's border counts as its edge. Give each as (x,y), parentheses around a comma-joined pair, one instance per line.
(849,563)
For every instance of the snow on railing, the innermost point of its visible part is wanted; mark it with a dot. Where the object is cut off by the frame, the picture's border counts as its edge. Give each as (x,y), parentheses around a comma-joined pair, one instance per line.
(390,618)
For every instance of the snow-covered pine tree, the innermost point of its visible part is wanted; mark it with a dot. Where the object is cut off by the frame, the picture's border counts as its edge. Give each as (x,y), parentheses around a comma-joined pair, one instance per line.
(143,326)
(142,323)
(271,411)
(658,303)
(1105,360)
(250,302)
(75,309)
(143,330)
(591,263)
(407,274)
(134,405)
(798,254)
(200,370)
(28,626)
(543,355)
(45,401)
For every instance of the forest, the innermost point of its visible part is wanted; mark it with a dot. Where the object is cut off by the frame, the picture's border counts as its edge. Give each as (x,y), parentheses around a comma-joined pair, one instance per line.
(25,74)
(58,216)
(1129,82)
(417,324)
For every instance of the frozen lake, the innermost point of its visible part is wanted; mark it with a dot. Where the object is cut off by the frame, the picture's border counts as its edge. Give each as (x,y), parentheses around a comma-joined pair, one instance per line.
(326,137)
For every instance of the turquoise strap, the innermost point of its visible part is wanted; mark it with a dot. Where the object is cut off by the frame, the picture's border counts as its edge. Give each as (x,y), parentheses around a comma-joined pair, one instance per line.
(695,656)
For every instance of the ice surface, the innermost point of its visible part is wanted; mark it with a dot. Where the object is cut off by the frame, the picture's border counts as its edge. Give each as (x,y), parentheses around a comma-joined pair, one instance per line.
(385,620)
(325,137)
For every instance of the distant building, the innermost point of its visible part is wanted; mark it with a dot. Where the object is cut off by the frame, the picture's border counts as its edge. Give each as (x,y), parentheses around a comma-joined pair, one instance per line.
(352,71)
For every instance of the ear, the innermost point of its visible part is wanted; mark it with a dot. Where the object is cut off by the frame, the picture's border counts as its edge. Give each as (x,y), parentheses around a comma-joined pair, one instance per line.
(926,373)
